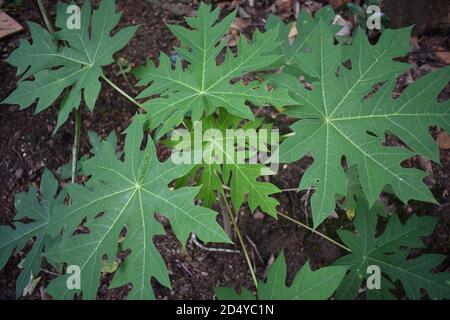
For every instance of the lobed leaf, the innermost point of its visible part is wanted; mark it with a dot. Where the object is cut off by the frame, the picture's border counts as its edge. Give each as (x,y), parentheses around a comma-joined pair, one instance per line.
(67,61)
(341,118)
(386,251)
(307,284)
(305,25)
(41,212)
(126,194)
(220,166)
(204,86)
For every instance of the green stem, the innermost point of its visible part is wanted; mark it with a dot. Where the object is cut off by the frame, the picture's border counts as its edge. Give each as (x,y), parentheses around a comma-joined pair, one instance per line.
(123,93)
(76,143)
(296,189)
(45,17)
(241,241)
(77,133)
(226,217)
(122,71)
(314,231)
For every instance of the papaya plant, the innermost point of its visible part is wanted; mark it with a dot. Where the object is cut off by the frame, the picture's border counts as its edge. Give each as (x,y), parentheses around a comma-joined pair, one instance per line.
(337,120)
(307,284)
(68,58)
(341,99)
(388,252)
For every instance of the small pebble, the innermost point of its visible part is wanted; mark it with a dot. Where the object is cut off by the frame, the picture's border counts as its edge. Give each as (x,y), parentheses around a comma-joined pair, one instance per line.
(19,173)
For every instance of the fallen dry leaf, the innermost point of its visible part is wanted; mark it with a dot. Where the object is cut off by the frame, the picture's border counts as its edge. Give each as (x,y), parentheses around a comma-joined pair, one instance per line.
(230,4)
(443,55)
(285,7)
(443,140)
(337,3)
(8,26)
(240,24)
(346,26)
(293,33)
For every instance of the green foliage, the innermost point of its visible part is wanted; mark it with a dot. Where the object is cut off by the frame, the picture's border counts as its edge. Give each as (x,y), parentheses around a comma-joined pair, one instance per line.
(220,167)
(338,120)
(41,212)
(355,192)
(344,112)
(305,26)
(66,170)
(388,252)
(307,284)
(204,85)
(68,62)
(128,193)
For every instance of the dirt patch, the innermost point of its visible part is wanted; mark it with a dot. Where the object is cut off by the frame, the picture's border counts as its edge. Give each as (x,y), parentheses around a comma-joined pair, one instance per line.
(27,146)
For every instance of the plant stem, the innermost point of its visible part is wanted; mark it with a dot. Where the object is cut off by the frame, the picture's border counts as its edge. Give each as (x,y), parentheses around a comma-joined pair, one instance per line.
(226,217)
(45,17)
(241,241)
(76,143)
(305,209)
(314,231)
(295,190)
(77,133)
(123,93)
(306,226)
(122,71)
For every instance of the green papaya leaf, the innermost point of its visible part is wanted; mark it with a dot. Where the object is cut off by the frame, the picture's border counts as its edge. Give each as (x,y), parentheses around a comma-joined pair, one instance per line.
(387,253)
(127,194)
(204,86)
(307,284)
(338,118)
(70,60)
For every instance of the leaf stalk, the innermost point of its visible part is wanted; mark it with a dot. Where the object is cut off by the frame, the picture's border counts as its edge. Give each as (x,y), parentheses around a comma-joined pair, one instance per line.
(241,241)
(45,17)
(314,231)
(76,143)
(123,93)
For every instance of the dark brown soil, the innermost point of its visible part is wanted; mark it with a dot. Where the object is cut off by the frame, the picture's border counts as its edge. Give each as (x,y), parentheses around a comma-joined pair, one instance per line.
(27,146)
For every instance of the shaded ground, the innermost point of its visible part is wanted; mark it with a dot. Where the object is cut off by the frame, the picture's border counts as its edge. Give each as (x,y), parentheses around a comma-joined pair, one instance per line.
(27,146)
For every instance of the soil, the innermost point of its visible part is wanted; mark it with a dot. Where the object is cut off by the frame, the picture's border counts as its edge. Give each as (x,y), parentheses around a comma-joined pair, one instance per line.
(27,146)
